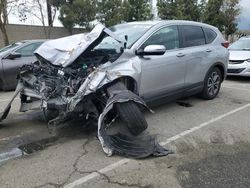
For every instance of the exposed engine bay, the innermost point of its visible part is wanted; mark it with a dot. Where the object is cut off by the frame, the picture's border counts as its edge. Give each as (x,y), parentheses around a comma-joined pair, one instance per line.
(86,87)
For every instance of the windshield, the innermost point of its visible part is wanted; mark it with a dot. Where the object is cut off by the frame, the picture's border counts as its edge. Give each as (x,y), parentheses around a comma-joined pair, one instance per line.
(240,45)
(133,31)
(10,46)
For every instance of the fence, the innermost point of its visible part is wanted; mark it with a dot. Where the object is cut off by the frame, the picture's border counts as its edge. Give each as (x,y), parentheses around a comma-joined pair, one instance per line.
(27,32)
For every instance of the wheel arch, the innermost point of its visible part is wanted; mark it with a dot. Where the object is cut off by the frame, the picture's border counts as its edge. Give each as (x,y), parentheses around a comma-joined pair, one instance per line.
(221,67)
(129,82)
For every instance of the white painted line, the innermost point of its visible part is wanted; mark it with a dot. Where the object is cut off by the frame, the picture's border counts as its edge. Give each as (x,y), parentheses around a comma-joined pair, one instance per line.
(9,138)
(123,161)
(96,174)
(14,153)
(236,88)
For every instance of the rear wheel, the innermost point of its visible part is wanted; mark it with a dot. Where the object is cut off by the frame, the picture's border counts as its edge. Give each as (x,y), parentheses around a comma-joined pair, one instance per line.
(129,112)
(212,84)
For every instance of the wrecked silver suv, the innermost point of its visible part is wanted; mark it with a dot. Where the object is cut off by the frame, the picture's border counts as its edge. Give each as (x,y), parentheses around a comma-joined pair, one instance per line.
(96,77)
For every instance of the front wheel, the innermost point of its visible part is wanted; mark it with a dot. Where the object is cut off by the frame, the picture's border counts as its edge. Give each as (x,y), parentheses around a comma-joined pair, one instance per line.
(212,84)
(129,112)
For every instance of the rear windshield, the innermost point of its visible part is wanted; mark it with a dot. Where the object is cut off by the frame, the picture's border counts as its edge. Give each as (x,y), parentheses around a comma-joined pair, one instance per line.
(240,45)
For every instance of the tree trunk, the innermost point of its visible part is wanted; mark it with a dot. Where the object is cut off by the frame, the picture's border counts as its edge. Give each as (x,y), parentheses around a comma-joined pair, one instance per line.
(49,13)
(5,35)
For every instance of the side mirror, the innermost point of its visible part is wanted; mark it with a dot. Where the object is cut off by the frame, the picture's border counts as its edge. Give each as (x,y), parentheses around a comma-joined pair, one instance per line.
(152,50)
(14,55)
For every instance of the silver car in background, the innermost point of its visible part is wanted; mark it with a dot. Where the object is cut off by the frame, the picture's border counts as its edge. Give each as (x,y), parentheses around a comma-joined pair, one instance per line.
(239,59)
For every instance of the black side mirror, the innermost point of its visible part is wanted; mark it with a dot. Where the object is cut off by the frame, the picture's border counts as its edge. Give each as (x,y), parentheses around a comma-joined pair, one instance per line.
(14,55)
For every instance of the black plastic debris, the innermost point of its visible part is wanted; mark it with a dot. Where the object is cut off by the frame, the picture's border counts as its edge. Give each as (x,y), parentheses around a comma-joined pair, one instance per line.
(125,144)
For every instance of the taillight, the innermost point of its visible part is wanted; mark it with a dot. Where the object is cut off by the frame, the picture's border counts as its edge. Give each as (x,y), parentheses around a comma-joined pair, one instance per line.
(225,44)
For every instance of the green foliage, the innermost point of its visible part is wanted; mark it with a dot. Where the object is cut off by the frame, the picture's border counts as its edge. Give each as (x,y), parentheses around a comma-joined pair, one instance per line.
(67,16)
(85,11)
(136,10)
(230,10)
(167,9)
(202,8)
(76,12)
(213,14)
(219,13)
(179,9)
(110,12)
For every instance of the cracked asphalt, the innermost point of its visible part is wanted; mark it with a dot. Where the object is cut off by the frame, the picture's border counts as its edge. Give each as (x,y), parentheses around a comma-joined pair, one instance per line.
(211,149)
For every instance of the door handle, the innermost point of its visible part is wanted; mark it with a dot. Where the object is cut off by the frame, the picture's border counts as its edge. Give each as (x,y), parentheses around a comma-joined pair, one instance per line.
(208,50)
(180,55)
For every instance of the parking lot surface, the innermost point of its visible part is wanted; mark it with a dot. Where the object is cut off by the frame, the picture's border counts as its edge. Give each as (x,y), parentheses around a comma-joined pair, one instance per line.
(210,141)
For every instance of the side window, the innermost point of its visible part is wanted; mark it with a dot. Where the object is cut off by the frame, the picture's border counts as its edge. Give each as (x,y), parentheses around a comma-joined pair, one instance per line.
(210,35)
(167,36)
(29,49)
(192,36)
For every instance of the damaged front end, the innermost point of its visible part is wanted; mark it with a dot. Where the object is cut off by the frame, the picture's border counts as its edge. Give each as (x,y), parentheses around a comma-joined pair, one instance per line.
(84,84)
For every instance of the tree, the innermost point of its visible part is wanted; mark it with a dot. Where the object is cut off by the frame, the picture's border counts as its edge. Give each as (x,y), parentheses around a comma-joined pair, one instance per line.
(187,10)
(202,8)
(3,20)
(167,9)
(67,16)
(179,9)
(136,10)
(37,9)
(213,14)
(5,8)
(231,11)
(85,11)
(76,12)
(110,12)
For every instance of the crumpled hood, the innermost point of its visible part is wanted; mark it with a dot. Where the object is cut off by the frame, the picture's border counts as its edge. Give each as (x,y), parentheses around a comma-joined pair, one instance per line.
(64,51)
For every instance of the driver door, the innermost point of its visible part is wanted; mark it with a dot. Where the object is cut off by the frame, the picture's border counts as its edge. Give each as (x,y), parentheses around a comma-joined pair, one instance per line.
(163,75)
(11,66)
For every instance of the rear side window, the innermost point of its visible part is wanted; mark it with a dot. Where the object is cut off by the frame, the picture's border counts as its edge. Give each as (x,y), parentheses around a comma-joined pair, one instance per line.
(192,36)
(210,35)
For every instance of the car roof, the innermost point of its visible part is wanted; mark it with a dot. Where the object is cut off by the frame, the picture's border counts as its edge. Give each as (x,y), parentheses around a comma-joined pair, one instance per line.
(163,22)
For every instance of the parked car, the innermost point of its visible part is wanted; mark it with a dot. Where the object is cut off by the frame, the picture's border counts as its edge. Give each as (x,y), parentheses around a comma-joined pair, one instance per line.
(239,59)
(14,56)
(111,73)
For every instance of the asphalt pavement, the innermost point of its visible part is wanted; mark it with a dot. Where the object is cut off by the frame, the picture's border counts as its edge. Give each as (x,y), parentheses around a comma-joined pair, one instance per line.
(210,140)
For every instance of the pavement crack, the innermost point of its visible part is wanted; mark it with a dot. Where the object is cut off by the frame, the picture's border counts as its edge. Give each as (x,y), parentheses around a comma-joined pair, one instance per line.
(122,184)
(47,184)
(75,169)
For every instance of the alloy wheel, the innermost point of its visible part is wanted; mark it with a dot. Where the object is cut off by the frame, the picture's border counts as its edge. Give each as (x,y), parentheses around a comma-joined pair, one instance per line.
(213,83)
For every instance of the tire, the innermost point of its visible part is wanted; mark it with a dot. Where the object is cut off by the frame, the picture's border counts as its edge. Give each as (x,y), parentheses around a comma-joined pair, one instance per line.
(212,84)
(129,112)
(131,115)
